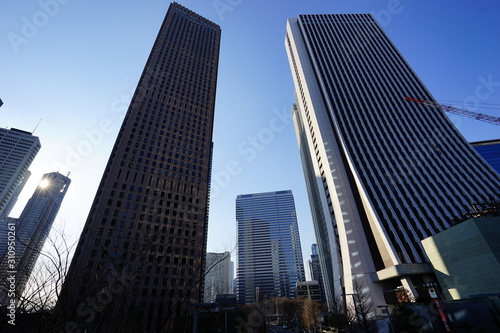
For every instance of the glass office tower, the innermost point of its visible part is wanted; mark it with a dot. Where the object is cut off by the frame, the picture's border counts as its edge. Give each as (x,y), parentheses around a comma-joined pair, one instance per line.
(32,230)
(315,270)
(144,241)
(490,151)
(269,253)
(382,173)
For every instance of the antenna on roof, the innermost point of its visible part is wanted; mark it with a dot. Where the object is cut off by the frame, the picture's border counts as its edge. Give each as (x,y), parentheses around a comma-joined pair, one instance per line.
(36,126)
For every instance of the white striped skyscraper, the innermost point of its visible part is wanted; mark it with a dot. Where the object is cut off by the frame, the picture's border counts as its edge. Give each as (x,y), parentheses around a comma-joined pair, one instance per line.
(269,253)
(382,173)
(17,150)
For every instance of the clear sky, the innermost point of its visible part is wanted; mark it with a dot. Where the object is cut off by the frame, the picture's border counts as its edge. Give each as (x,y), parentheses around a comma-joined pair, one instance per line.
(75,64)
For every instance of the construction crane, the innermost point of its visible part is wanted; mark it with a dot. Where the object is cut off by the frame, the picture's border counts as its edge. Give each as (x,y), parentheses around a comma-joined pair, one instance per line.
(461,112)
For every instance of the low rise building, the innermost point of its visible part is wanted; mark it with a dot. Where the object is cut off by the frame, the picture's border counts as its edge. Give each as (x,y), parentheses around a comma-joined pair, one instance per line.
(310,290)
(466,257)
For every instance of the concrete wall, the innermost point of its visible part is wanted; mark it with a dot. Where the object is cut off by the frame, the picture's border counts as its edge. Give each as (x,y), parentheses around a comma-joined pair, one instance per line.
(466,257)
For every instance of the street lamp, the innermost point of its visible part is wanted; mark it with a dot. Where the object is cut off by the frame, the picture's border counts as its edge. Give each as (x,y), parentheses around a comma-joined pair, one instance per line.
(386,307)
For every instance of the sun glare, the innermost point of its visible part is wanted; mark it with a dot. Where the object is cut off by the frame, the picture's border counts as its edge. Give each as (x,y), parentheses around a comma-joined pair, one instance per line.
(44,183)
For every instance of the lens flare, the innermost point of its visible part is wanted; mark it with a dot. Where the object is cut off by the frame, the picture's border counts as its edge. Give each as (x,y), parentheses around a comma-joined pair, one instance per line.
(44,183)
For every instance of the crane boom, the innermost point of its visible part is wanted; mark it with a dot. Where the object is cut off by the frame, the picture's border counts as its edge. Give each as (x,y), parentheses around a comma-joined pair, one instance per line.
(461,112)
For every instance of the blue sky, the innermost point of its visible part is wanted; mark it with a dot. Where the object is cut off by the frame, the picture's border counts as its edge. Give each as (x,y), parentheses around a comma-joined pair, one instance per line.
(75,64)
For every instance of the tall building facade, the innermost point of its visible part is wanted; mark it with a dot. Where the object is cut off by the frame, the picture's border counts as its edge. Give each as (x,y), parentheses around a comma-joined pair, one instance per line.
(315,271)
(490,151)
(269,253)
(17,150)
(15,195)
(218,275)
(146,231)
(32,229)
(382,173)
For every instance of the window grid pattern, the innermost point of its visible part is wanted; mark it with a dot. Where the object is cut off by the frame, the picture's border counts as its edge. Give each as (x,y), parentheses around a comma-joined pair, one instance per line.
(490,151)
(17,150)
(269,251)
(33,227)
(324,239)
(149,217)
(416,168)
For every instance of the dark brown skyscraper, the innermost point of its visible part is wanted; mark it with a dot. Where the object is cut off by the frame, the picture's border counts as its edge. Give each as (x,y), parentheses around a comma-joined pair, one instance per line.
(139,262)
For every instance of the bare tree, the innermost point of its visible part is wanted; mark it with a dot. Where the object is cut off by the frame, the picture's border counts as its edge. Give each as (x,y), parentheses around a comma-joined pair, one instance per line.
(309,314)
(121,277)
(199,282)
(37,298)
(336,316)
(361,312)
(44,299)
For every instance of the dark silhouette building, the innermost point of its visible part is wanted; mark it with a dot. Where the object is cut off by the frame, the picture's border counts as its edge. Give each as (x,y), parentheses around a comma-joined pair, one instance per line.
(139,262)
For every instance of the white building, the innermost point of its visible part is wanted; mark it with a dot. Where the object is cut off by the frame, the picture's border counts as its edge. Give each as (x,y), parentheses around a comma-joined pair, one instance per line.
(17,150)
(218,275)
(382,173)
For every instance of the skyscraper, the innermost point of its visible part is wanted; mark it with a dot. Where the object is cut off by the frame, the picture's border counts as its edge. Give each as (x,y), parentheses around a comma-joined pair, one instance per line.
(269,253)
(15,195)
(146,231)
(218,275)
(490,151)
(32,229)
(17,150)
(315,270)
(382,173)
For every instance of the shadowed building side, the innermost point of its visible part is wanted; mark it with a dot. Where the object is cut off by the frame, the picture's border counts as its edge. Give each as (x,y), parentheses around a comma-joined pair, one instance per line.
(139,263)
